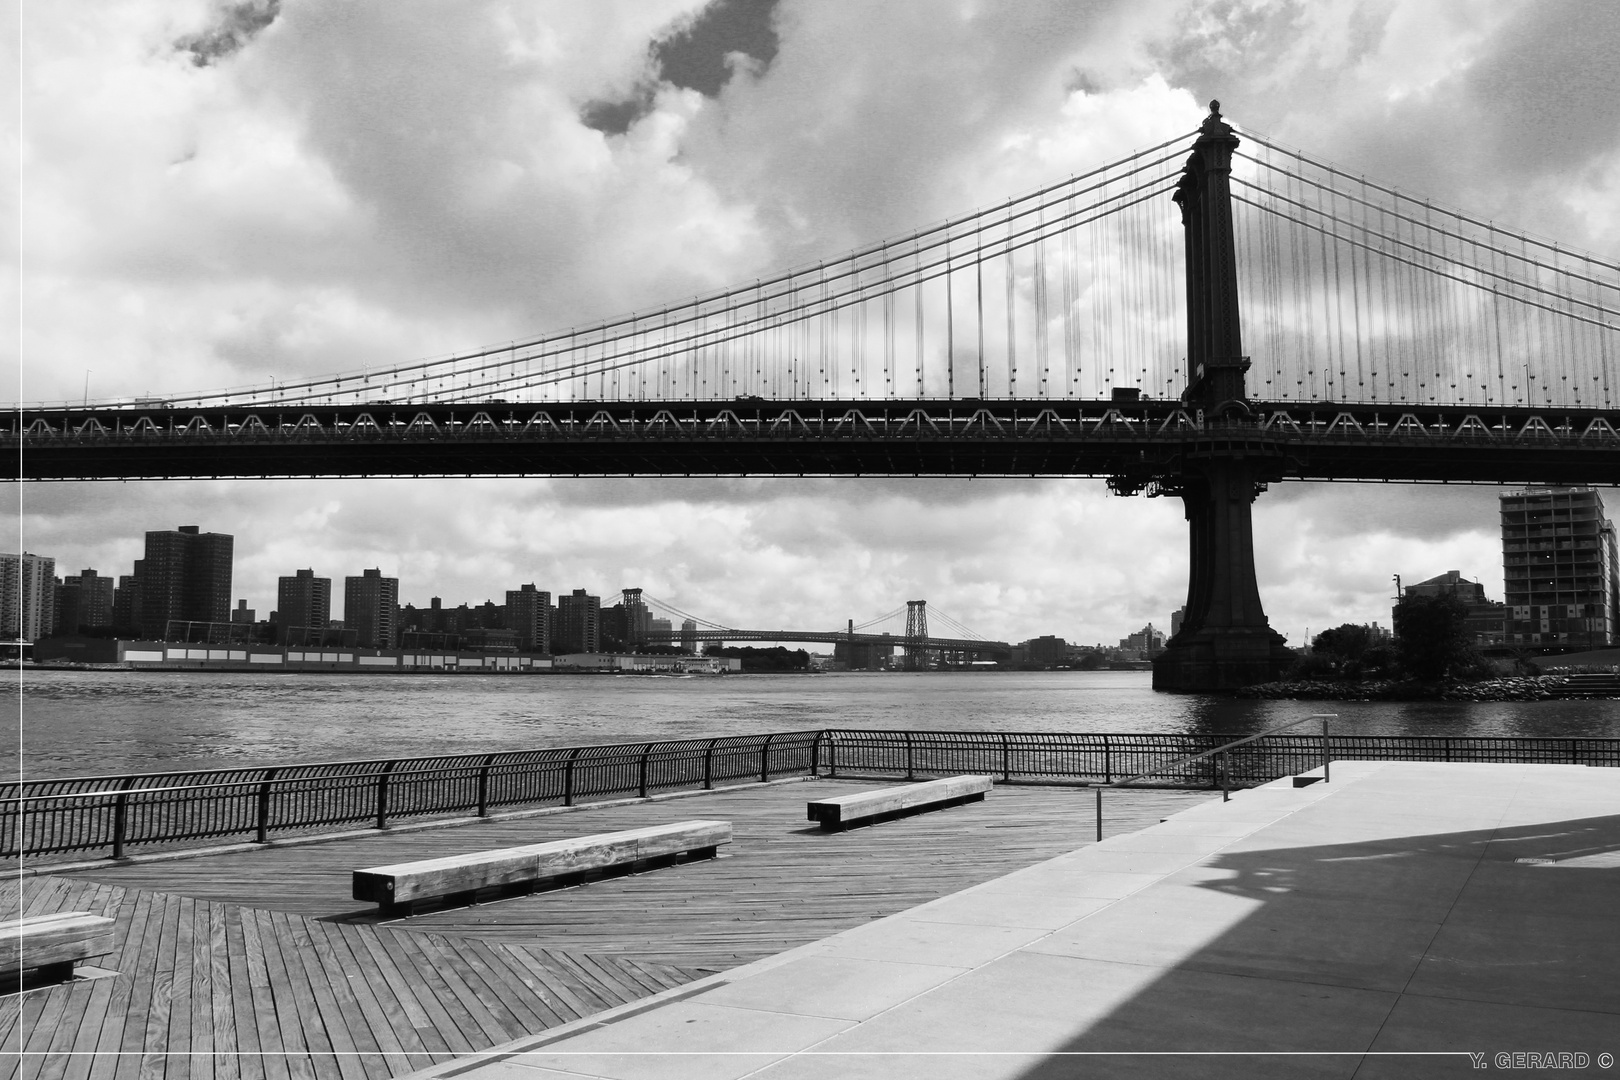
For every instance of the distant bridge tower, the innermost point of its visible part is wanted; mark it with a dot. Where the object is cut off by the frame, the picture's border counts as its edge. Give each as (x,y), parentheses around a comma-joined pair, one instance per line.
(1225,640)
(637,620)
(916,634)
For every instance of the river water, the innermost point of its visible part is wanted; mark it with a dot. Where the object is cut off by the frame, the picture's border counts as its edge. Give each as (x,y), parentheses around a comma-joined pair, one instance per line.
(76,723)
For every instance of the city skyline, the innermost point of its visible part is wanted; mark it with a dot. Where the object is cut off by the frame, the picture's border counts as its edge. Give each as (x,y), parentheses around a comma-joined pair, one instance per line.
(335,602)
(245,188)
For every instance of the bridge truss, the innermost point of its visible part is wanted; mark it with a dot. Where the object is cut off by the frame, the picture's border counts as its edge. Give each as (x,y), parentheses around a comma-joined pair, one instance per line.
(1129,440)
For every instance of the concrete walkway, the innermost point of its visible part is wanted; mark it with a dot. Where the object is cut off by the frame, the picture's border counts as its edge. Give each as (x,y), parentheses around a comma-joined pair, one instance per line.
(1389,923)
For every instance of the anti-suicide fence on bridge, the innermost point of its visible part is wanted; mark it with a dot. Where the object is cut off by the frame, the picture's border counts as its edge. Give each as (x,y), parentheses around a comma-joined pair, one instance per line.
(106,815)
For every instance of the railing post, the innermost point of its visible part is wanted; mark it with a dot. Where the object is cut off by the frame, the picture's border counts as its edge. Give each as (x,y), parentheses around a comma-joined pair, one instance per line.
(1226,779)
(483,786)
(1006,760)
(910,773)
(1448,748)
(568,778)
(382,794)
(765,759)
(1325,756)
(708,766)
(815,755)
(120,818)
(120,824)
(832,757)
(641,783)
(263,816)
(1108,761)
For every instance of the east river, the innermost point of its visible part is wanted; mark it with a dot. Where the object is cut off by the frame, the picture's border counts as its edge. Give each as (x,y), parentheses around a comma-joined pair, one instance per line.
(77,723)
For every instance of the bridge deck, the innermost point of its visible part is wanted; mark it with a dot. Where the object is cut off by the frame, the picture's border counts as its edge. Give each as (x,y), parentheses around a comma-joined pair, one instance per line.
(1002,437)
(259,963)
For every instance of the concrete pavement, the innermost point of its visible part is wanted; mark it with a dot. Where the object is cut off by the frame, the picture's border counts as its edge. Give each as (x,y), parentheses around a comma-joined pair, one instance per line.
(1393,922)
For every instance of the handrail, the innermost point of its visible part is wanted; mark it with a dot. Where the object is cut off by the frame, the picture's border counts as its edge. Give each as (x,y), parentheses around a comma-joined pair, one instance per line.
(38,817)
(1226,793)
(338,762)
(253,802)
(1221,749)
(471,768)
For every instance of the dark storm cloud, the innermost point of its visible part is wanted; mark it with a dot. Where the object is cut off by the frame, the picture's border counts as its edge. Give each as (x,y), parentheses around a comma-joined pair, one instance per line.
(238,23)
(695,56)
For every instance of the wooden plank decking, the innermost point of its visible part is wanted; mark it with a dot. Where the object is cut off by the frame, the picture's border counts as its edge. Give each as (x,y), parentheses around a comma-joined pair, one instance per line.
(259,964)
(208,989)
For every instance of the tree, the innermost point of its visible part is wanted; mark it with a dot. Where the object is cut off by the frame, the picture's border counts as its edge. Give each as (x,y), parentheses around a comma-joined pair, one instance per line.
(1431,637)
(1348,641)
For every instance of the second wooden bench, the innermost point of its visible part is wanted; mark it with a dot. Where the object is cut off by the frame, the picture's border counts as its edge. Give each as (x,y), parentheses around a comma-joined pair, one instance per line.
(844,810)
(397,887)
(52,944)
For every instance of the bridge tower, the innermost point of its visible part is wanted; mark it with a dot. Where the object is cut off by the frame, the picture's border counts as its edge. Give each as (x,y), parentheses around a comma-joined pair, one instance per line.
(916,634)
(1225,640)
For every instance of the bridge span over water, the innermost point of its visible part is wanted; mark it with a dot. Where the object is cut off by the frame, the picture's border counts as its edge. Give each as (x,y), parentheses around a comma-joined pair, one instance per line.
(913,645)
(1200,319)
(1133,440)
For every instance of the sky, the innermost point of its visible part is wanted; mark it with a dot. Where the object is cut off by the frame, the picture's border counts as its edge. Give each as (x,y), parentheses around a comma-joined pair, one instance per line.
(214,193)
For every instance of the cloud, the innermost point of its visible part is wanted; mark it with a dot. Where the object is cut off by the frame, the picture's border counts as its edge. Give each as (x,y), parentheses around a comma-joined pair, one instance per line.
(237,25)
(701,51)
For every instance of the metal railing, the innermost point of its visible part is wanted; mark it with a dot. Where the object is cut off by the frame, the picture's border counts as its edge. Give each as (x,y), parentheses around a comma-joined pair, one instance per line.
(1105,758)
(1221,760)
(110,814)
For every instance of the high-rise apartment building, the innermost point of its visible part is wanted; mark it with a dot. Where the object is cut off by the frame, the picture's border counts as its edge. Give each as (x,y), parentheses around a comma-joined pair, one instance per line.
(1559,567)
(27,597)
(303,607)
(84,600)
(371,609)
(186,575)
(126,614)
(528,615)
(689,636)
(579,621)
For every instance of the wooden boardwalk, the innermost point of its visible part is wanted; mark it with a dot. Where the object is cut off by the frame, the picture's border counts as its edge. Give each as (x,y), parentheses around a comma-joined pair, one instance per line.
(206,989)
(259,964)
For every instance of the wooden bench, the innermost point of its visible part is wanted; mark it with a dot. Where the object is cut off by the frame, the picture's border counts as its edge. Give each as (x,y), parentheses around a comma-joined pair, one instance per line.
(845,810)
(396,888)
(52,944)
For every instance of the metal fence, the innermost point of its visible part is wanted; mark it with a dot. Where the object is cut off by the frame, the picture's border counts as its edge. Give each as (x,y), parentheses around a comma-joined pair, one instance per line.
(108,814)
(1103,759)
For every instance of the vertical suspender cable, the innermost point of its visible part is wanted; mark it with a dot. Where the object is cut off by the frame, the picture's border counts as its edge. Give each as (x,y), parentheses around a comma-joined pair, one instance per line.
(950,324)
(978,295)
(918,300)
(1012,307)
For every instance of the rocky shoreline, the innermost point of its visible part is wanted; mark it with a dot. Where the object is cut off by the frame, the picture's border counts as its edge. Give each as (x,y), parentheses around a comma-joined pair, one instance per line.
(1525,688)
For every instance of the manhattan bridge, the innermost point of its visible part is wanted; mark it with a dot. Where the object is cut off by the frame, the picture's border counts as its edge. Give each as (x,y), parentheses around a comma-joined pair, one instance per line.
(1201,319)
